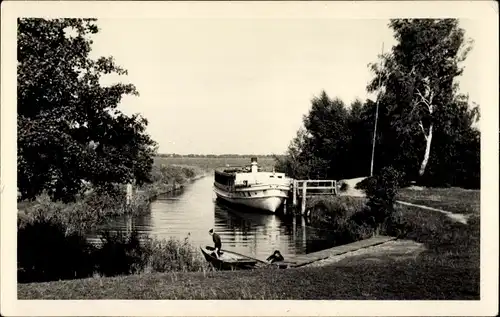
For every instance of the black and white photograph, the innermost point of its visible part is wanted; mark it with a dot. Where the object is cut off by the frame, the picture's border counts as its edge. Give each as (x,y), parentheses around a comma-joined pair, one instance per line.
(295,158)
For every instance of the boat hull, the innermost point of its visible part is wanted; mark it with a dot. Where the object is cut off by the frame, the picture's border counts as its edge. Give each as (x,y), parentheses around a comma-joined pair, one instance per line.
(228,260)
(267,200)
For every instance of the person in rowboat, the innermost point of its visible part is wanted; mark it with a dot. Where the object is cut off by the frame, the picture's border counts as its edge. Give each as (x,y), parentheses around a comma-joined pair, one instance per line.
(217,242)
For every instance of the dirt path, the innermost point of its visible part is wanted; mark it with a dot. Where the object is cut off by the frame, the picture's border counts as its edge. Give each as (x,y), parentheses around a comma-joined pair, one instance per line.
(353,192)
(457,217)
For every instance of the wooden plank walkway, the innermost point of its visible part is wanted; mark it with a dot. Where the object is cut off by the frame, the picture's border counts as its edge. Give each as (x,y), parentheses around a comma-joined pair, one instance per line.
(304,259)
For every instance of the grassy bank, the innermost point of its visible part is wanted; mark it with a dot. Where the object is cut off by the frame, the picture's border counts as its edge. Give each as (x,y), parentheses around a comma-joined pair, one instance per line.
(449,269)
(346,216)
(456,200)
(96,207)
(52,235)
(167,178)
(47,252)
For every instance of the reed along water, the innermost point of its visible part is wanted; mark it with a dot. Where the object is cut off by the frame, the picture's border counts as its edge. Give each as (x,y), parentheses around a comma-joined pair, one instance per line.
(194,210)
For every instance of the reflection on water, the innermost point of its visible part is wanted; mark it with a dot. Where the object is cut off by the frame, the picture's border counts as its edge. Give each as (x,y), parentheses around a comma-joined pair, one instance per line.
(192,212)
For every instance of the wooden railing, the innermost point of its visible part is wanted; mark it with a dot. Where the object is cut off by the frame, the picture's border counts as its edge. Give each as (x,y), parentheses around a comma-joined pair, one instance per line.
(304,188)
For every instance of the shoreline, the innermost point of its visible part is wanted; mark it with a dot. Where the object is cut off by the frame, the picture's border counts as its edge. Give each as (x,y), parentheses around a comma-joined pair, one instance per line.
(171,187)
(138,204)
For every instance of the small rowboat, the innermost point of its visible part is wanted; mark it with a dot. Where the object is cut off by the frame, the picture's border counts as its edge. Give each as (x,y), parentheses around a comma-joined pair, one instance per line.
(228,260)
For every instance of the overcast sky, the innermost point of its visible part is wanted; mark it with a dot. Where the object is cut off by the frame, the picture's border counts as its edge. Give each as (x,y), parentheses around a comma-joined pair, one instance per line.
(243,85)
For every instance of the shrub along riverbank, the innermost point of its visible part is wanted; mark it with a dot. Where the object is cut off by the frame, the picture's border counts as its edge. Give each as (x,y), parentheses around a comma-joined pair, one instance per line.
(47,252)
(52,241)
(99,205)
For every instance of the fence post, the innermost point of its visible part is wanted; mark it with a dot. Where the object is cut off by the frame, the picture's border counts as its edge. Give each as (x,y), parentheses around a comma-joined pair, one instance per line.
(304,195)
(129,193)
(294,193)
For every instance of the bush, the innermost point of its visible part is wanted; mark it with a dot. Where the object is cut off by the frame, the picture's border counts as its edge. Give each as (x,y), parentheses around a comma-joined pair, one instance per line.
(381,192)
(365,183)
(343,186)
(86,213)
(120,254)
(341,214)
(46,252)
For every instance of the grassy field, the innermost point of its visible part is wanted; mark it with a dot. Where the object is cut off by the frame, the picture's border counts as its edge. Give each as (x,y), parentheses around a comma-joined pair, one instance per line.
(209,164)
(347,281)
(456,200)
(448,269)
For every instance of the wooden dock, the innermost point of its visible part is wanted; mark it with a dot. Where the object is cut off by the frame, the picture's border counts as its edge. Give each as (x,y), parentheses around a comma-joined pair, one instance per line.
(304,259)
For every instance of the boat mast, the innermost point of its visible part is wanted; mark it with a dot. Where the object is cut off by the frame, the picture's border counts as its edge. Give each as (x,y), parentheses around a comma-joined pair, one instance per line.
(376,113)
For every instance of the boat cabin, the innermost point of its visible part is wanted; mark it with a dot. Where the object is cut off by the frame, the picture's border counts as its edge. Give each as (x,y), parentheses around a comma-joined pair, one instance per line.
(238,177)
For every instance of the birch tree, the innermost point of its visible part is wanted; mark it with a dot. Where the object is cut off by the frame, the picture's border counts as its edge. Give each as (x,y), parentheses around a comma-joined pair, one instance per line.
(419,80)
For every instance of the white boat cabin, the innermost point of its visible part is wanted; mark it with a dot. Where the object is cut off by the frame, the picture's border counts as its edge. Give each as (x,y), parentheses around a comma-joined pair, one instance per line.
(249,176)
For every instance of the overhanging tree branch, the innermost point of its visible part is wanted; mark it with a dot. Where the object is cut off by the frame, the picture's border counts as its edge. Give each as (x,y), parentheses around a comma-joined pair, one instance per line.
(428,103)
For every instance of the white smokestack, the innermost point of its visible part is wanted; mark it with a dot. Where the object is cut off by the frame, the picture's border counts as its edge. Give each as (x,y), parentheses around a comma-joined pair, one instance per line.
(255,167)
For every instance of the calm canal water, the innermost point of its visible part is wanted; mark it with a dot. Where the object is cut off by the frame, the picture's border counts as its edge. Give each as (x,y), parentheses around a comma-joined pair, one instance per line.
(194,210)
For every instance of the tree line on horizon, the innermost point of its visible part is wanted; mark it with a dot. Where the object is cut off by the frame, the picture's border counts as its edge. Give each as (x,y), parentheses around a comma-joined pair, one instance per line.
(232,155)
(425,127)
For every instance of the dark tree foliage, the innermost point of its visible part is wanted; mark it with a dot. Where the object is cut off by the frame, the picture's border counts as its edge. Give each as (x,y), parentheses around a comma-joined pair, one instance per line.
(69,127)
(428,130)
(425,127)
(327,124)
(45,252)
(360,126)
(320,151)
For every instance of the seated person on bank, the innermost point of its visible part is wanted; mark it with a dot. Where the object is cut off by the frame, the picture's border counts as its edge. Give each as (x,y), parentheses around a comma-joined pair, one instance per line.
(275,257)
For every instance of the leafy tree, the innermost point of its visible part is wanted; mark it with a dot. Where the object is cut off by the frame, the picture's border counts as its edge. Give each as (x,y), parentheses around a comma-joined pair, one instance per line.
(69,127)
(360,126)
(457,148)
(327,125)
(320,149)
(294,162)
(420,93)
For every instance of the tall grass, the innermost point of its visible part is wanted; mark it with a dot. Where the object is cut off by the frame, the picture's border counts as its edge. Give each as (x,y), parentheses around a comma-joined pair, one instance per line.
(51,234)
(86,213)
(174,255)
(48,251)
(348,217)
